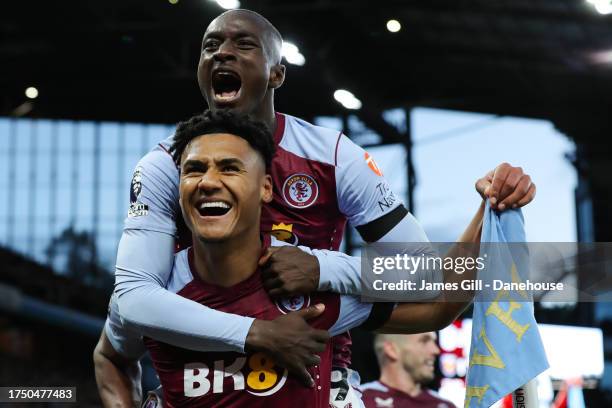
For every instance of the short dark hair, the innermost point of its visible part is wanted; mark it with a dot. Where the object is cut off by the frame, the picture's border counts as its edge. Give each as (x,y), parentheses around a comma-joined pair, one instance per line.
(254,132)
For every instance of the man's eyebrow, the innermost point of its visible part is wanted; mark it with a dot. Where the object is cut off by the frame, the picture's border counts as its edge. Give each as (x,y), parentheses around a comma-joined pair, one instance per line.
(237,34)
(243,34)
(193,163)
(229,160)
(214,34)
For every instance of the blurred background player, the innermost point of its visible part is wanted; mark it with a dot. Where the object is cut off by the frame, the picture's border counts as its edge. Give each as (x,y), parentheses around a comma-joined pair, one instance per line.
(406,366)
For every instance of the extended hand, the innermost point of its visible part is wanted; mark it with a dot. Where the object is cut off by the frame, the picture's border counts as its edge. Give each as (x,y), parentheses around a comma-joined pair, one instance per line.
(288,270)
(506,187)
(291,341)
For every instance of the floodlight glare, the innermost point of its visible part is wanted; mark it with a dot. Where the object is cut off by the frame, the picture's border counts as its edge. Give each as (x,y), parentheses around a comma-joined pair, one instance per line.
(393,26)
(173,1)
(292,54)
(228,4)
(31,92)
(347,99)
(602,6)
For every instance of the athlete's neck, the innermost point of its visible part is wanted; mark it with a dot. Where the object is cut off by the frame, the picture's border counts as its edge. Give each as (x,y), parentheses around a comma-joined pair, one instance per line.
(229,262)
(265,111)
(394,376)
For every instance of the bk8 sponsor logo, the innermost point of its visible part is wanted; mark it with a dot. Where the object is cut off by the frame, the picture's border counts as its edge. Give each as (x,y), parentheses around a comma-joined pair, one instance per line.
(257,374)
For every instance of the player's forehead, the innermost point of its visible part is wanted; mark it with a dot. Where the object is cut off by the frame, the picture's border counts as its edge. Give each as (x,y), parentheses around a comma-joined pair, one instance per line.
(237,23)
(219,146)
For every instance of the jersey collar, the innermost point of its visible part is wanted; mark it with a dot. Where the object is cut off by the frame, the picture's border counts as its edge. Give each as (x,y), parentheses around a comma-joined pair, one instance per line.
(280,127)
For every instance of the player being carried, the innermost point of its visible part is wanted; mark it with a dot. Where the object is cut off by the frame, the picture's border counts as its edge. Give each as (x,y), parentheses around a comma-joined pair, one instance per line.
(240,68)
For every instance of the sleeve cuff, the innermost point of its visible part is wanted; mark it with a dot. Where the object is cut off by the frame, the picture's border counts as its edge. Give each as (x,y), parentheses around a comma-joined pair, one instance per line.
(244,332)
(324,278)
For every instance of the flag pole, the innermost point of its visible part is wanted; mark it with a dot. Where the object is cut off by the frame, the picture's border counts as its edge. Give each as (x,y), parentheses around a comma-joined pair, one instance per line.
(526,396)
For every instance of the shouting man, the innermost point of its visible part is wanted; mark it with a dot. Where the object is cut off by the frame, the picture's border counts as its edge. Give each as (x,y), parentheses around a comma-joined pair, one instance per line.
(320,181)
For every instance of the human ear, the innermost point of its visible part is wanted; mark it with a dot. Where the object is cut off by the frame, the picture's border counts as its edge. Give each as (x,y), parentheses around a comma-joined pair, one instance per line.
(266,189)
(277,76)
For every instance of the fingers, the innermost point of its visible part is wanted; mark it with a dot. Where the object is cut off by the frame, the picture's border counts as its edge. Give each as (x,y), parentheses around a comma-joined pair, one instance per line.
(313,359)
(499,177)
(266,256)
(308,360)
(520,190)
(514,177)
(321,337)
(527,198)
(298,367)
(312,311)
(272,282)
(277,292)
(302,375)
(275,286)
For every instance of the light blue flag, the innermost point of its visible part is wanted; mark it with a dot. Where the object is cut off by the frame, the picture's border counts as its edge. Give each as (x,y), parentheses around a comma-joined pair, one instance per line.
(506,349)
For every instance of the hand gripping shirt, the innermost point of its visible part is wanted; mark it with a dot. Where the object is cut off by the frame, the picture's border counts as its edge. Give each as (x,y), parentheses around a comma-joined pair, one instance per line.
(321,181)
(230,379)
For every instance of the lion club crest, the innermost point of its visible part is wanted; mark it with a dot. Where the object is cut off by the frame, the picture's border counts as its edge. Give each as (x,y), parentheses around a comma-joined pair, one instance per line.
(300,190)
(293,303)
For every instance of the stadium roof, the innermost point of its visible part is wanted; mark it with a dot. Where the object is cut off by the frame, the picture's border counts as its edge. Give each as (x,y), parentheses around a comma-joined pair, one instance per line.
(130,60)
(135,60)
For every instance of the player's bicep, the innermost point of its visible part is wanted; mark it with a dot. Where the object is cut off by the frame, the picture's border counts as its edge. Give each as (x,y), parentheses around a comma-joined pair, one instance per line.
(363,193)
(143,257)
(154,194)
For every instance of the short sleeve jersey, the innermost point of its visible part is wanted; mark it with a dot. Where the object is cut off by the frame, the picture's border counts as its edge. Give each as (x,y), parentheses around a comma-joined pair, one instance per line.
(230,379)
(321,180)
(378,395)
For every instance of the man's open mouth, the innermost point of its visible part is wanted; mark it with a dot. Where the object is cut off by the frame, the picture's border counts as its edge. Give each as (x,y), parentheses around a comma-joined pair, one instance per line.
(214,208)
(226,85)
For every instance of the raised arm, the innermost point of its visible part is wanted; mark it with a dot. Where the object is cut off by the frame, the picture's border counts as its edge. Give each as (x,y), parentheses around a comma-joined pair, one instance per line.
(408,318)
(289,270)
(510,188)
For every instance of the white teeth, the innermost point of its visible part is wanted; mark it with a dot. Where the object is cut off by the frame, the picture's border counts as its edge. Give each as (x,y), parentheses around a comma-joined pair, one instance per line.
(227,96)
(215,204)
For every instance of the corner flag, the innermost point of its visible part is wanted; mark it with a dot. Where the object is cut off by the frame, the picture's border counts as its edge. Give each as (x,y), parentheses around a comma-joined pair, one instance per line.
(506,349)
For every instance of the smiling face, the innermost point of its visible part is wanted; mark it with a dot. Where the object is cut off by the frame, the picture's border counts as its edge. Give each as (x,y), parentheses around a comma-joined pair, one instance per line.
(417,353)
(240,63)
(223,183)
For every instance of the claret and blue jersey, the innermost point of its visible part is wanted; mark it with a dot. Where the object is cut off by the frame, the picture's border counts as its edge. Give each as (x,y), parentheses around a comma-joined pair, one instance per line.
(228,379)
(321,181)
